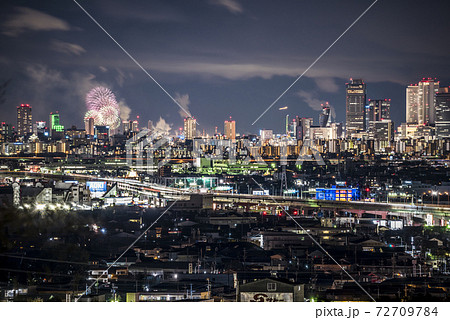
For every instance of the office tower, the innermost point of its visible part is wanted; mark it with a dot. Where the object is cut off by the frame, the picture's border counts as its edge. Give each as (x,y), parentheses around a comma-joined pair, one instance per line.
(324,116)
(126,126)
(230,129)
(443,113)
(426,104)
(302,128)
(411,104)
(89,126)
(135,126)
(355,105)
(101,133)
(382,130)
(293,128)
(421,102)
(190,128)
(377,110)
(6,132)
(24,120)
(54,124)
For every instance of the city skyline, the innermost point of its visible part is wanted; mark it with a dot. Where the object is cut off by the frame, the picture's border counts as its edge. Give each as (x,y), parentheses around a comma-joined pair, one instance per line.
(210,79)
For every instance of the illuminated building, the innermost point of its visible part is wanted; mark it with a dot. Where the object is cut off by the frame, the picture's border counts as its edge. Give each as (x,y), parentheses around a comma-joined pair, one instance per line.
(135,126)
(382,130)
(102,133)
(126,126)
(54,124)
(24,120)
(443,113)
(89,126)
(266,135)
(411,104)
(421,102)
(230,129)
(355,105)
(338,194)
(426,104)
(190,128)
(302,128)
(6,132)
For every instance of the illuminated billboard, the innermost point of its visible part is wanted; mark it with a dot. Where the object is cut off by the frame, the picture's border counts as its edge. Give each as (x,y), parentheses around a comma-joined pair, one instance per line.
(96,186)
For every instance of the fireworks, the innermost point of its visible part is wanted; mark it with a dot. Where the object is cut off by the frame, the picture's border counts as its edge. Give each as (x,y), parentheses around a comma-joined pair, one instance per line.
(103,107)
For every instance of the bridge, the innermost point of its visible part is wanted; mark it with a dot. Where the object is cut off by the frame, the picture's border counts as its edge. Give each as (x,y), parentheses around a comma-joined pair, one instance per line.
(160,195)
(256,202)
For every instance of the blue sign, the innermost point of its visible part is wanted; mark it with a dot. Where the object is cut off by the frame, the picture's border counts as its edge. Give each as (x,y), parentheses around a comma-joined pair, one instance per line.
(96,186)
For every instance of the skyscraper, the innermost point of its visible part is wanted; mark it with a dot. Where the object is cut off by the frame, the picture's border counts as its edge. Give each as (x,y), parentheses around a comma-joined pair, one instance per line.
(89,126)
(126,126)
(24,120)
(378,110)
(54,124)
(421,102)
(443,113)
(411,104)
(135,126)
(190,128)
(324,116)
(303,128)
(230,129)
(426,104)
(355,105)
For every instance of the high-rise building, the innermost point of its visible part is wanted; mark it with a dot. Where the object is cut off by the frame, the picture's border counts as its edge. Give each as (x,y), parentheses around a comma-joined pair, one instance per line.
(230,129)
(24,120)
(426,109)
(89,126)
(382,130)
(101,133)
(443,113)
(126,126)
(302,128)
(190,128)
(377,110)
(135,126)
(355,105)
(150,125)
(6,132)
(411,104)
(324,116)
(54,124)
(421,102)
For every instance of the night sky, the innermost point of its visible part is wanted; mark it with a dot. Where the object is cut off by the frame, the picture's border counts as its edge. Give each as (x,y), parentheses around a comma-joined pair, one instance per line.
(220,58)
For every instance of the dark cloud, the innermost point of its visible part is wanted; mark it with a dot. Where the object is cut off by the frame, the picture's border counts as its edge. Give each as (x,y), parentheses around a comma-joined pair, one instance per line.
(232,57)
(26,19)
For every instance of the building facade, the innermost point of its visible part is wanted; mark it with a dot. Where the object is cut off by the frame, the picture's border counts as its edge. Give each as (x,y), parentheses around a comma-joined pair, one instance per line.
(355,105)
(24,120)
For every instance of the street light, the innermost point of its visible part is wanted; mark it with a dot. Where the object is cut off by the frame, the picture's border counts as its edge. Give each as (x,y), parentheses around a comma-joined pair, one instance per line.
(434,193)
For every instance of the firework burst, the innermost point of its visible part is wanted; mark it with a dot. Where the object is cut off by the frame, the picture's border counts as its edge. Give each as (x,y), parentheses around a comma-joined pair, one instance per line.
(103,107)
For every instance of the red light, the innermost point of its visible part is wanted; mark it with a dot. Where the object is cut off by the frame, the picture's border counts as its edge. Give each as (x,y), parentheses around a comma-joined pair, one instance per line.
(367,189)
(295,212)
(280,214)
(264,213)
